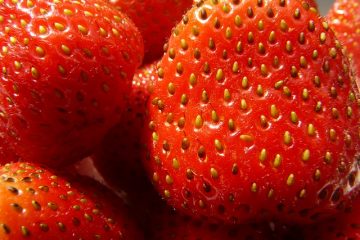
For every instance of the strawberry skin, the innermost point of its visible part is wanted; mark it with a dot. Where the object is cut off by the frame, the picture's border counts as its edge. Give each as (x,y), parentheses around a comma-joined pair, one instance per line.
(118,158)
(65,67)
(254,115)
(344,19)
(155,20)
(345,226)
(36,204)
(167,224)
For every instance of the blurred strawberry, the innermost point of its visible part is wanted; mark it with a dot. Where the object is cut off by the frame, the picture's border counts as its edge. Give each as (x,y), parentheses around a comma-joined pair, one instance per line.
(118,159)
(344,19)
(155,20)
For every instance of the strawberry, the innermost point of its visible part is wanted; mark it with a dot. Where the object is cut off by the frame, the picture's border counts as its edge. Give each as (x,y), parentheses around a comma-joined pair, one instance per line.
(345,226)
(254,116)
(344,19)
(118,158)
(36,204)
(168,224)
(65,67)
(155,19)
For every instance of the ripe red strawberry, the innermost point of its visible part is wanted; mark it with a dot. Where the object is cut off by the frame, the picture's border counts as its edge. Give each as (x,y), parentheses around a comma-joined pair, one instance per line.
(254,115)
(36,204)
(344,19)
(155,19)
(65,67)
(118,158)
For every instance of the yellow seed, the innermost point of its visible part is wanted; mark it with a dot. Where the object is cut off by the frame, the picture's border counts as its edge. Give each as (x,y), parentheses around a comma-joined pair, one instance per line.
(235,67)
(40,51)
(231,125)
(115,32)
(294,118)
(283,25)
(42,29)
(227,95)
(17,65)
(271,193)
(13,40)
(220,75)
(183,44)
(175,163)
(263,69)
(65,49)
(214,173)
(290,180)
(274,111)
(192,79)
(228,33)
(68,12)
(83,29)
(306,155)
(328,157)
(322,37)
(254,187)
(243,104)
(219,147)
(287,138)
(169,180)
(35,73)
(238,21)
(302,193)
(259,91)
(272,37)
(88,14)
(244,82)
(263,155)
(167,193)
(311,130)
(198,122)
(332,134)
(103,32)
(214,116)
(317,175)
(246,138)
(305,94)
(277,160)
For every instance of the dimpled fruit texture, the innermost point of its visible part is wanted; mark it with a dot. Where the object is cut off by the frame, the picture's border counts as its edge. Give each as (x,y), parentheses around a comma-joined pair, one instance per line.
(65,68)
(155,19)
(254,115)
(344,19)
(37,204)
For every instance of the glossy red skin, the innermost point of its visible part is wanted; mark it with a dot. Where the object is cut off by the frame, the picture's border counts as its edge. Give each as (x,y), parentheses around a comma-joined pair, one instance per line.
(344,19)
(118,158)
(155,20)
(57,117)
(229,194)
(107,214)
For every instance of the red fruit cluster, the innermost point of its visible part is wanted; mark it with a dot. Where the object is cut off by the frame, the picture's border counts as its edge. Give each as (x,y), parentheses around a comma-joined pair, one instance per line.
(246,126)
